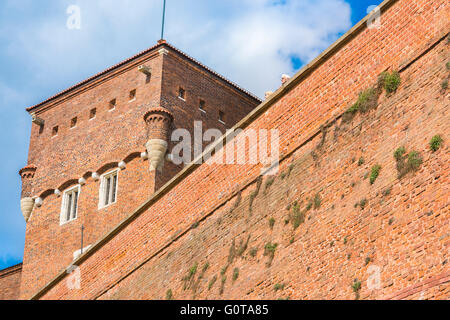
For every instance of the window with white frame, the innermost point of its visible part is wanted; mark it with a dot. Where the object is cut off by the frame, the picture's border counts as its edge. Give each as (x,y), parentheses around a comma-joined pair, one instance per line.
(69,208)
(108,189)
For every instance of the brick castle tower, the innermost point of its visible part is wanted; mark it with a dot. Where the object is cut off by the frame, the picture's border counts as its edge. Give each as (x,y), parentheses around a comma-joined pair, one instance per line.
(101,147)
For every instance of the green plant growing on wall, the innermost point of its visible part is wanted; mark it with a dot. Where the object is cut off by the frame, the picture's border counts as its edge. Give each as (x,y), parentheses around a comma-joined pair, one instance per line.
(271,223)
(414,161)
(291,167)
(436,143)
(211,282)
(309,205)
(253,252)
(356,286)
(279,287)
(367,100)
(407,163)
(235,274)
(444,85)
(269,251)
(375,172)
(195,225)
(317,201)
(297,217)
(169,295)
(363,203)
(222,285)
(269,183)
(255,193)
(188,279)
(368,260)
(390,81)
(243,246)
(361,161)
(447,65)
(350,113)
(387,191)
(224,269)
(232,252)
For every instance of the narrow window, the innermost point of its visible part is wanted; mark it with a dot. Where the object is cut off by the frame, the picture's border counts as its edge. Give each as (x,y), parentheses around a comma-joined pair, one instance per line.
(132,95)
(93,114)
(73,122)
(108,189)
(222,117)
(112,104)
(69,206)
(182,94)
(202,106)
(55,131)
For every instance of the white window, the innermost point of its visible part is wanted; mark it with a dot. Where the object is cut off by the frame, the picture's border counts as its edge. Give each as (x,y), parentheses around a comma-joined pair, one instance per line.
(69,208)
(108,189)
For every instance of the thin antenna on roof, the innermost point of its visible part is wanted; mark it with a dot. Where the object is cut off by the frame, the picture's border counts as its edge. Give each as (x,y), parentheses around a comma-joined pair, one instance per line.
(163,20)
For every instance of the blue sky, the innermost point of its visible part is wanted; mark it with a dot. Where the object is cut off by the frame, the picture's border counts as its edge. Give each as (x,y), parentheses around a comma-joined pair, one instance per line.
(252,42)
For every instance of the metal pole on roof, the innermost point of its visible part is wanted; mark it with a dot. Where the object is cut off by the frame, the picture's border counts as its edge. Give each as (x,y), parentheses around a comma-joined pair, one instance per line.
(163,20)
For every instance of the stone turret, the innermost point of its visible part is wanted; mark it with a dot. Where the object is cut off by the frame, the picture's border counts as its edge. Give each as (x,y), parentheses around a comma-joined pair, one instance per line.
(27,202)
(159,123)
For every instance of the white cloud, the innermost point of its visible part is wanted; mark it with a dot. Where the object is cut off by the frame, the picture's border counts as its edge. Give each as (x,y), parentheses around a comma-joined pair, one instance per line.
(251,41)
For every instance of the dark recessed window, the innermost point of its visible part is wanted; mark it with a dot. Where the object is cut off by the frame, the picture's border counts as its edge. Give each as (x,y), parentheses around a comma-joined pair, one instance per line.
(112,104)
(132,94)
(55,131)
(182,94)
(93,113)
(202,105)
(73,122)
(221,116)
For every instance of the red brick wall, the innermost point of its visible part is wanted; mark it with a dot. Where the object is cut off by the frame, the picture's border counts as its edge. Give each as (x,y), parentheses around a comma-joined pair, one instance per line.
(99,144)
(10,283)
(403,232)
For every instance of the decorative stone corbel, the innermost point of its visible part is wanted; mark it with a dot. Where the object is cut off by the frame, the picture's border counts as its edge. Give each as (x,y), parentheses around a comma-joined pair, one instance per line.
(145,70)
(82,181)
(57,192)
(95,176)
(26,206)
(159,122)
(122,165)
(157,149)
(36,120)
(27,202)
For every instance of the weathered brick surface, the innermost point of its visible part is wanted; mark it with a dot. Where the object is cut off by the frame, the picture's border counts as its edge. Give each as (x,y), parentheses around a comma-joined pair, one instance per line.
(99,144)
(10,283)
(404,233)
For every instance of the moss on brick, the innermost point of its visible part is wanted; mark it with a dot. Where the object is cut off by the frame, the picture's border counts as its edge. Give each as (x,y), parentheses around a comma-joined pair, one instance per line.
(436,142)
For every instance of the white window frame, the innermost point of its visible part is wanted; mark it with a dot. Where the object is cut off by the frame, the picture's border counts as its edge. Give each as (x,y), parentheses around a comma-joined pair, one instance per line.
(63,216)
(102,189)
(180,89)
